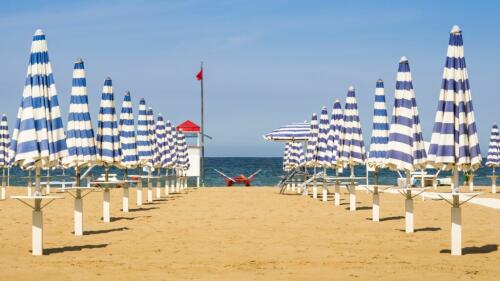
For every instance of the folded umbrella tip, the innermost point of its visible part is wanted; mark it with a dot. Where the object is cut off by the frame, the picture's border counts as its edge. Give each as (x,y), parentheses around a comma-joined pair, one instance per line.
(39,32)
(79,60)
(455,29)
(403,59)
(380,80)
(351,88)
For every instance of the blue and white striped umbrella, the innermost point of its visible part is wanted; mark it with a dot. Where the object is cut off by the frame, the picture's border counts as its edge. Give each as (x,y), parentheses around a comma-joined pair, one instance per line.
(182,153)
(39,136)
(287,157)
(493,158)
(153,162)
(336,127)
(5,159)
(455,142)
(144,147)
(173,149)
(167,161)
(352,151)
(380,131)
(312,143)
(297,155)
(80,134)
(324,155)
(161,140)
(292,132)
(128,140)
(406,148)
(108,137)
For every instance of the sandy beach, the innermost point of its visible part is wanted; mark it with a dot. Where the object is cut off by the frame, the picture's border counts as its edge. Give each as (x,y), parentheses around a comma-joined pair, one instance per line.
(248,234)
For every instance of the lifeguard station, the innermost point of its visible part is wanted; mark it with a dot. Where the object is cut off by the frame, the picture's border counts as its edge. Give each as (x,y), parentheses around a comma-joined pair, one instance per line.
(192,132)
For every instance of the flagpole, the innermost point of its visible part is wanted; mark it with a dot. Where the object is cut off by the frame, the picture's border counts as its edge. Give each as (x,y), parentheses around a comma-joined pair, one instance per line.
(202,163)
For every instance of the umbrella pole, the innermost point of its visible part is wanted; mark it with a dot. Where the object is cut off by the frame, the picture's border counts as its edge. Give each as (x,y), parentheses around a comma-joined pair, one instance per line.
(315,187)
(150,186)
(2,197)
(494,182)
(166,182)
(456,217)
(337,188)
(47,183)
(325,190)
(126,192)
(177,181)
(37,217)
(106,197)
(352,191)
(158,184)
(29,183)
(408,205)
(376,197)
(138,190)
(78,208)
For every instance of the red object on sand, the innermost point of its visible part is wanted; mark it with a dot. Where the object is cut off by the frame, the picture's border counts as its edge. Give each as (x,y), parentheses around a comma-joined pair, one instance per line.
(241,179)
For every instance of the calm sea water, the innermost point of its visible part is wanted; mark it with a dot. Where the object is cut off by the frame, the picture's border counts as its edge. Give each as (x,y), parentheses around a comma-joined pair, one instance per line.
(233,166)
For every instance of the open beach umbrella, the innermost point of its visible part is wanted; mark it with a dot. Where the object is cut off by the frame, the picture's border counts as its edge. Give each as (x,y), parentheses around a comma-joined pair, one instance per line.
(493,157)
(128,142)
(295,132)
(38,138)
(5,160)
(80,134)
(406,148)
(455,143)
(144,147)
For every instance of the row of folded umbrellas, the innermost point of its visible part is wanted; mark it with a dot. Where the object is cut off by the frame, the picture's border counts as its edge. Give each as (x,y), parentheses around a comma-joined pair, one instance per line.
(337,141)
(39,138)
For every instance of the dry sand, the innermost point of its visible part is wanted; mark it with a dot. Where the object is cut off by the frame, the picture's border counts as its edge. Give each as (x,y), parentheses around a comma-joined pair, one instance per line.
(249,234)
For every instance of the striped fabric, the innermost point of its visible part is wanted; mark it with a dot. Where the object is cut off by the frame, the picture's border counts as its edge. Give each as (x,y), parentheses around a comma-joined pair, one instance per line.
(352,151)
(128,140)
(312,144)
(493,158)
(173,149)
(324,155)
(291,132)
(144,147)
(39,132)
(153,162)
(161,140)
(455,142)
(80,134)
(182,153)
(336,125)
(108,138)
(287,159)
(297,156)
(406,148)
(4,143)
(380,130)
(167,160)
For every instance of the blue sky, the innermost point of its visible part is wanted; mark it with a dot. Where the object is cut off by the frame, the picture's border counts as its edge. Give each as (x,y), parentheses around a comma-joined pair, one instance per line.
(267,63)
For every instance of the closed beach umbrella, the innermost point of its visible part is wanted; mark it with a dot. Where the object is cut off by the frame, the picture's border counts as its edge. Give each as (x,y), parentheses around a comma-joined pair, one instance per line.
(406,148)
(380,129)
(128,142)
(161,142)
(352,150)
(493,157)
(295,132)
(287,157)
(144,147)
(336,125)
(38,138)
(167,161)
(299,150)
(5,160)
(312,143)
(173,149)
(455,142)
(324,156)
(182,153)
(153,162)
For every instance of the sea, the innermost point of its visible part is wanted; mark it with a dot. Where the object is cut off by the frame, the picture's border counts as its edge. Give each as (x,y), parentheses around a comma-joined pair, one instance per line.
(270,174)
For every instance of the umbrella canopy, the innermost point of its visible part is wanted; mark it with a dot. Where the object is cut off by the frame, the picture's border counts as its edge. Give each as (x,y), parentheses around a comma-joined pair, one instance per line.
(4,143)
(161,140)
(297,156)
(182,153)
(108,137)
(336,125)
(173,149)
(167,161)
(324,155)
(38,136)
(80,134)
(292,132)
(380,130)
(406,148)
(493,158)
(312,143)
(153,162)
(128,141)
(287,161)
(455,142)
(352,146)
(144,147)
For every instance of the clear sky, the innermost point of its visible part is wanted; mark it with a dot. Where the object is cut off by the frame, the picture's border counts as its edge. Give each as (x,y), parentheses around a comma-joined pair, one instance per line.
(267,63)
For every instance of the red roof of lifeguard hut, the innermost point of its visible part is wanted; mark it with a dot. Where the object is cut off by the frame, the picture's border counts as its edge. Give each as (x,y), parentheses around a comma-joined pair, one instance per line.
(189,127)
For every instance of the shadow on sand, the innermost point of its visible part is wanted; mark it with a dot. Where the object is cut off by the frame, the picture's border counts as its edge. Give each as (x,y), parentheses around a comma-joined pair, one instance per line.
(102,231)
(58,250)
(142,209)
(424,229)
(362,208)
(113,219)
(391,218)
(488,248)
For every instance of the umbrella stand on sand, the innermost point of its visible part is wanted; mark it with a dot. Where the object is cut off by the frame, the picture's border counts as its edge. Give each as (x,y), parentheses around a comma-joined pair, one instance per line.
(454,143)
(493,158)
(128,145)
(352,148)
(378,145)
(108,144)
(406,148)
(80,141)
(34,145)
(4,153)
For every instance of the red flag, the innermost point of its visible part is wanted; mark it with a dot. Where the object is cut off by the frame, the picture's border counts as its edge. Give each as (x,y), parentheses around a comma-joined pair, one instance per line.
(199,76)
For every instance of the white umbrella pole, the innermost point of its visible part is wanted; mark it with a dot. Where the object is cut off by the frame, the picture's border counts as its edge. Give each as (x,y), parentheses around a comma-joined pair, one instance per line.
(352,192)
(106,199)
(456,217)
(325,190)
(376,197)
(150,186)
(29,183)
(138,189)
(166,182)
(8,176)
(78,209)
(47,183)
(337,188)
(126,193)
(177,181)
(315,187)
(2,196)
(158,184)
(494,182)
(37,218)
(408,205)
